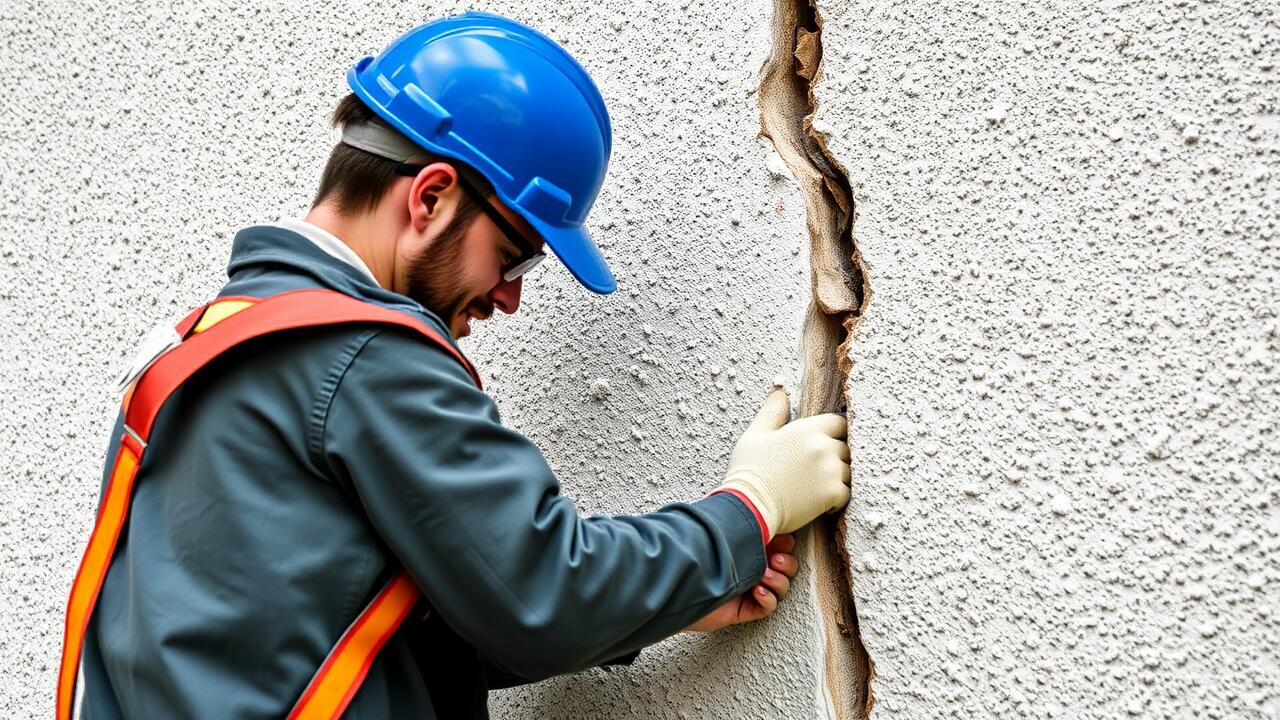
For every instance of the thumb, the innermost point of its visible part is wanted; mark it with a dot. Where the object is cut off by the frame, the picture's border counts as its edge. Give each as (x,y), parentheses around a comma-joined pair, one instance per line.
(775,412)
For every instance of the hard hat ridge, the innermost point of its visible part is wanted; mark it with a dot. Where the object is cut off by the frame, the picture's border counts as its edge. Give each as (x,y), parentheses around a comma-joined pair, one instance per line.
(513,104)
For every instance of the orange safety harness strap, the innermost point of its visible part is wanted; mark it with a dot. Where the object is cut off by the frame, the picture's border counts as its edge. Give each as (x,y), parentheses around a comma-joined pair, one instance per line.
(205,336)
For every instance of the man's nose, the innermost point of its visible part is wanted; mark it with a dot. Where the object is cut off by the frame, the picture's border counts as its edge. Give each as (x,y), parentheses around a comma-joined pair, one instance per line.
(506,295)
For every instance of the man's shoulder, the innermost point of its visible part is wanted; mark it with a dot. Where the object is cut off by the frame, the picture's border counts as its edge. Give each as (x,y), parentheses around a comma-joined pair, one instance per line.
(408,357)
(344,347)
(320,355)
(270,285)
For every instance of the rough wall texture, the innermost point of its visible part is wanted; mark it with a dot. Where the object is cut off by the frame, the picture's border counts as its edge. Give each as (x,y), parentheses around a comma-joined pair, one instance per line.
(1064,389)
(134,141)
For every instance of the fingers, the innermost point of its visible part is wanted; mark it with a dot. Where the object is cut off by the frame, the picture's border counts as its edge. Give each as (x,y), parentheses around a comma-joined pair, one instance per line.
(832,425)
(773,586)
(777,582)
(839,498)
(775,412)
(841,448)
(784,563)
(764,598)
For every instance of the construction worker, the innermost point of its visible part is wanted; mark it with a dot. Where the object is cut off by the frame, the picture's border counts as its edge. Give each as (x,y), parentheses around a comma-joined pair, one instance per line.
(311,508)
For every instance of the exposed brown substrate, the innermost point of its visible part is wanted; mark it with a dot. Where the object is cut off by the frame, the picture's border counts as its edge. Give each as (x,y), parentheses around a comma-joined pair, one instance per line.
(840,295)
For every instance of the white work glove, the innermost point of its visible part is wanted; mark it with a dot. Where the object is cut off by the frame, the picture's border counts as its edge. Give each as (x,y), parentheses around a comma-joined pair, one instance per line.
(792,472)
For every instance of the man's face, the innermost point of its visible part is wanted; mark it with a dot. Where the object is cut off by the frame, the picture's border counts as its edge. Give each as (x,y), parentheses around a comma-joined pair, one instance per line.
(458,274)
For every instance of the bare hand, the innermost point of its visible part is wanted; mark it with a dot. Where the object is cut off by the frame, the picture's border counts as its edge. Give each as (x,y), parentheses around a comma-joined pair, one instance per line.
(763,599)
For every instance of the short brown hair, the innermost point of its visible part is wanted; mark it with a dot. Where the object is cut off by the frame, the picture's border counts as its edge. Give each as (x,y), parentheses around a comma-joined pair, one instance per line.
(358,180)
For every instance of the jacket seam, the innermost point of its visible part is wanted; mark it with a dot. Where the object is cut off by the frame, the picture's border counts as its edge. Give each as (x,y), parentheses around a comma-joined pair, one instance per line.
(357,596)
(319,420)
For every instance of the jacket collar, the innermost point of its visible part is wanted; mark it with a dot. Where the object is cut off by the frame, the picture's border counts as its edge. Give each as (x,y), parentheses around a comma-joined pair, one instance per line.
(269,259)
(327,242)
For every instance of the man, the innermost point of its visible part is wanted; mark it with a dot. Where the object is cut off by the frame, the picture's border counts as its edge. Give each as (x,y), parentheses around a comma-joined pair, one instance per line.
(287,480)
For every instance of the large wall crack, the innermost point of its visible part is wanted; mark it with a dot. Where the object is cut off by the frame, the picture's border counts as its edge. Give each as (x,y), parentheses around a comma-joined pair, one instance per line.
(840,296)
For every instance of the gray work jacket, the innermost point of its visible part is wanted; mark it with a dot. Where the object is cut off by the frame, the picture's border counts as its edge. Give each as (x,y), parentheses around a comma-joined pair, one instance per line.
(289,479)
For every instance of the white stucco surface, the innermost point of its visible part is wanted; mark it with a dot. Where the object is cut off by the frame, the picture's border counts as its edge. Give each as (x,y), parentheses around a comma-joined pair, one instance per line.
(1065,457)
(1065,453)
(136,139)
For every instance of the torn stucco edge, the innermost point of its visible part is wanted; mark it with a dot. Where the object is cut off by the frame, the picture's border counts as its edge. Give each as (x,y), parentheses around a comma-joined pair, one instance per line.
(840,295)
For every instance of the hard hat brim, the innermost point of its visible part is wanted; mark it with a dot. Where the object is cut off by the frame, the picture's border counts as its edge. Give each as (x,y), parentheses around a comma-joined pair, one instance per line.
(578,252)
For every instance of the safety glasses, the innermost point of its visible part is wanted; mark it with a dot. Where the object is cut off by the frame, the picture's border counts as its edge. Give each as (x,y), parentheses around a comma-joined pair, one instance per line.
(528,256)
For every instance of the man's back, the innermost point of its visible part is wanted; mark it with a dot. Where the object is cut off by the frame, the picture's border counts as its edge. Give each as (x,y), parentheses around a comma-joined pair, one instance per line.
(234,503)
(288,479)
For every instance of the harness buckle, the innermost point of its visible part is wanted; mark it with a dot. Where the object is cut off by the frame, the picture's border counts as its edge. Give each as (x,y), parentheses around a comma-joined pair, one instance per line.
(136,437)
(160,340)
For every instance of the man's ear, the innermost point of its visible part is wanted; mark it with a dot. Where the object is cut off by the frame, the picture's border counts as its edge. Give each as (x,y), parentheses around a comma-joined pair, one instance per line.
(430,194)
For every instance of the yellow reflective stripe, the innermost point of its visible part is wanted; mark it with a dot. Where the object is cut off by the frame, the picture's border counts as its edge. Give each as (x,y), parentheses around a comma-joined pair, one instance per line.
(115,507)
(339,678)
(220,311)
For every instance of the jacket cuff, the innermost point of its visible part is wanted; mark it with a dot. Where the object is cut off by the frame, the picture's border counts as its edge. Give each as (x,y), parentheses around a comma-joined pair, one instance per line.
(755,511)
(739,521)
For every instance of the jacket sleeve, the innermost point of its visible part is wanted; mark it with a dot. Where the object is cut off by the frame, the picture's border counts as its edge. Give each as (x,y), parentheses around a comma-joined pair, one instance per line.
(498,679)
(474,513)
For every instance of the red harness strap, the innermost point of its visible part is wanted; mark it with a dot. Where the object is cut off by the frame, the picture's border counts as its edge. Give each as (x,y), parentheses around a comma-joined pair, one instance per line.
(205,337)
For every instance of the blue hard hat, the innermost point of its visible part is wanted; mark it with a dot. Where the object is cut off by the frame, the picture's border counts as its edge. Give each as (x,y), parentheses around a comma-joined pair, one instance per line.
(509,101)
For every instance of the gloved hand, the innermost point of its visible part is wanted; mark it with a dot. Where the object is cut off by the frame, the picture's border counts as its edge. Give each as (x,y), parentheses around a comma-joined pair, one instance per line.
(792,472)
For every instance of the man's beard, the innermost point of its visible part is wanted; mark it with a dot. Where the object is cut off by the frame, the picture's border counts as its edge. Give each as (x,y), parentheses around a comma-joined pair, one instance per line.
(432,276)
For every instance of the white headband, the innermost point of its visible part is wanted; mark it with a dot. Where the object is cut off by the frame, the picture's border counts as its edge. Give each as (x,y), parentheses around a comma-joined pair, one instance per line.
(381,141)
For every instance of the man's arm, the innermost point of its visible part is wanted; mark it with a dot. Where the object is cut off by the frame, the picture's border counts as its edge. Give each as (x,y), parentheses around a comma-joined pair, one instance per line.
(498,679)
(474,513)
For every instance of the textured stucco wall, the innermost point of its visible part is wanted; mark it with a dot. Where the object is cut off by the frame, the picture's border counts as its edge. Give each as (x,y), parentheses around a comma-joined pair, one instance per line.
(134,141)
(1065,451)
(1065,387)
